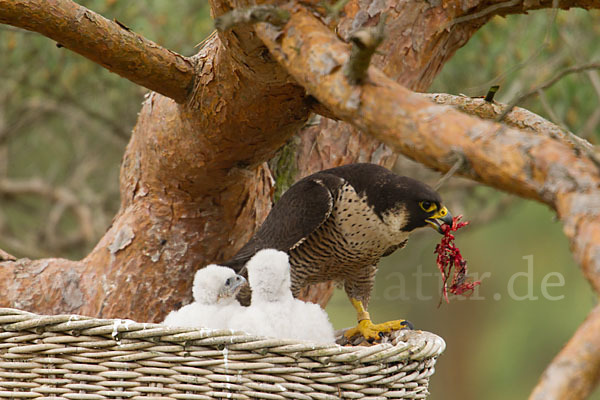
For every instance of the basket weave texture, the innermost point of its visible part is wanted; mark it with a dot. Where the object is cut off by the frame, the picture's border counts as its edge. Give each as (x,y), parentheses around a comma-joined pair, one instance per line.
(76,357)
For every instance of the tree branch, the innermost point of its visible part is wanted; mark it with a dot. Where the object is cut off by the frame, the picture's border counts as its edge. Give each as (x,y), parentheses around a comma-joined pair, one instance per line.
(486,9)
(575,371)
(545,85)
(105,42)
(520,162)
(402,51)
(518,118)
(489,10)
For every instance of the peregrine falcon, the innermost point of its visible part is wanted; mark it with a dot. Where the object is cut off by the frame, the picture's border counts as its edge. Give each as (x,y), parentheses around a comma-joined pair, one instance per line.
(337,223)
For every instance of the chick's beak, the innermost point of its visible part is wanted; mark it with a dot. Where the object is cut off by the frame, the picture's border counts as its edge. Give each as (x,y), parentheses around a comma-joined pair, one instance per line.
(441,217)
(233,286)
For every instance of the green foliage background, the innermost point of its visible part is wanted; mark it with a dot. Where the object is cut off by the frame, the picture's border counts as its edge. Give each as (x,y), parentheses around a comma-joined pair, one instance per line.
(66,121)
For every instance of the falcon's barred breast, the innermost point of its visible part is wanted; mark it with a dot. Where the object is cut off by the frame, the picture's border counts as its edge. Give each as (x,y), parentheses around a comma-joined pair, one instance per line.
(345,248)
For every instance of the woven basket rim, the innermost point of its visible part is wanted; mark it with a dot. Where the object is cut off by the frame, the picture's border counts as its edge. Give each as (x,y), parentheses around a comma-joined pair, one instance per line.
(74,357)
(406,344)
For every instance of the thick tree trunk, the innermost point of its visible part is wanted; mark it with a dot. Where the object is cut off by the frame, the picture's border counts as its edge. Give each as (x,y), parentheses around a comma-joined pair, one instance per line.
(193,188)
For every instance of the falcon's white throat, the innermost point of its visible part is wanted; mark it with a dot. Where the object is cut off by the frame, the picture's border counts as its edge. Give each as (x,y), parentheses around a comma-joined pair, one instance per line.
(362,228)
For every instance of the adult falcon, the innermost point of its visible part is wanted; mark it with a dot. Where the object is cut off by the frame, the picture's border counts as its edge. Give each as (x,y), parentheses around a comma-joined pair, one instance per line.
(337,223)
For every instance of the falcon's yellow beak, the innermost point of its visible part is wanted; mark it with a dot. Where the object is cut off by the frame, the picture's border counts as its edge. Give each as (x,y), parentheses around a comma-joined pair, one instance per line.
(441,216)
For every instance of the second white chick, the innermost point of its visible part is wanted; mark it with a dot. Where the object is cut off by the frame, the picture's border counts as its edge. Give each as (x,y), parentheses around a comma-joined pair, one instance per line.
(215,288)
(273,310)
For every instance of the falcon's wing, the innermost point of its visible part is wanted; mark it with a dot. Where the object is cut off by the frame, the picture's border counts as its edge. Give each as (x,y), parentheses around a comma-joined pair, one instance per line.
(299,212)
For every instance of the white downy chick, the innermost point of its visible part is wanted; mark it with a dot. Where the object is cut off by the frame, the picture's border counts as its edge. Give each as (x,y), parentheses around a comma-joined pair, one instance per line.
(215,288)
(273,310)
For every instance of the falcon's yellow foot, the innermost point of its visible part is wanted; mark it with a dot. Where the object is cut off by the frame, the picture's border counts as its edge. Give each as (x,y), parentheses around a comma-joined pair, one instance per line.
(371,331)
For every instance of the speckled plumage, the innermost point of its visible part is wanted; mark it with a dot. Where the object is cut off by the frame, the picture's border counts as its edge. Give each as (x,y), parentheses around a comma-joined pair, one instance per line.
(345,248)
(336,224)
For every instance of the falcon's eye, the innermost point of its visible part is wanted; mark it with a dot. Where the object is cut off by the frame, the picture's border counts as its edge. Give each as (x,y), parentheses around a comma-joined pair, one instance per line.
(427,206)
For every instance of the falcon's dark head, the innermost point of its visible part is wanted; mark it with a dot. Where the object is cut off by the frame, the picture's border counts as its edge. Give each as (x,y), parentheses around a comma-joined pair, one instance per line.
(402,203)
(407,204)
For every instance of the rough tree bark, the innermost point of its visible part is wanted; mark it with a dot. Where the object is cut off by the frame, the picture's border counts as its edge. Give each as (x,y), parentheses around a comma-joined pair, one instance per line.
(194,184)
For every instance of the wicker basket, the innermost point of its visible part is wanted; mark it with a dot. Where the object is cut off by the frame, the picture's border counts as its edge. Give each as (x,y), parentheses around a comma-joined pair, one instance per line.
(75,357)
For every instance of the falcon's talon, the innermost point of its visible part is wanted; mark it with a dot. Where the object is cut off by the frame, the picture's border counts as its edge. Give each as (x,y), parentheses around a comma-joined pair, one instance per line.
(371,331)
